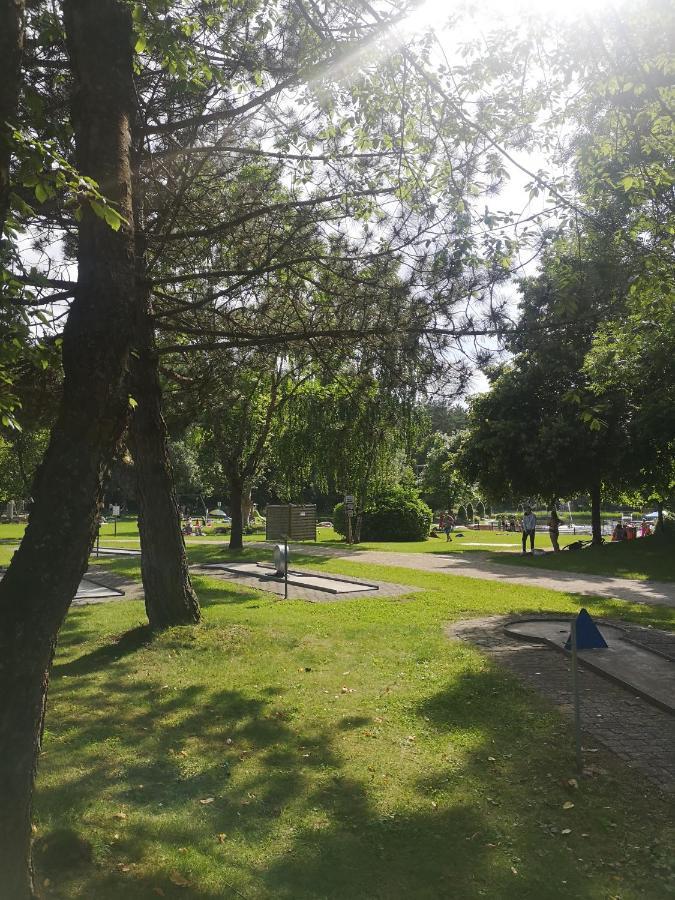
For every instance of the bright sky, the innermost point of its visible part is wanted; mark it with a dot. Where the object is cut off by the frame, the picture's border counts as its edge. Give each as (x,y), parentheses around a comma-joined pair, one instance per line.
(433,13)
(455,23)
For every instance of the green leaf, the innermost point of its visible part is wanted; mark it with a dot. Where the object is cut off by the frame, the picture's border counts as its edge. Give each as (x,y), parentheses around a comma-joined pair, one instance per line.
(113,218)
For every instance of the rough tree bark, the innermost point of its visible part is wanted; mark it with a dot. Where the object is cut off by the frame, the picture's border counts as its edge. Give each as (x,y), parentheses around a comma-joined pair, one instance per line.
(596,520)
(44,573)
(169,596)
(11,51)
(236,486)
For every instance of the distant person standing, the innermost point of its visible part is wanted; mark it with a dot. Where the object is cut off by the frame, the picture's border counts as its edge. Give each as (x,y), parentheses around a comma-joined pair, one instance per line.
(529,526)
(554,530)
(448,526)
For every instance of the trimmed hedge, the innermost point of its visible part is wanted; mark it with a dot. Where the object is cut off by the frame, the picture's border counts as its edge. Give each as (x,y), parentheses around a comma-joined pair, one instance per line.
(392,514)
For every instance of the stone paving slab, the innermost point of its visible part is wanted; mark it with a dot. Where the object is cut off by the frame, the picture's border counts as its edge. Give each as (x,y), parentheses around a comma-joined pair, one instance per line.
(311,595)
(93,590)
(641,734)
(125,588)
(268,574)
(101,586)
(639,668)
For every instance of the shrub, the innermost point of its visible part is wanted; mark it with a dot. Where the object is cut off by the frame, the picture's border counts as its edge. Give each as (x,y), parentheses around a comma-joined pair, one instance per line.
(340,520)
(392,514)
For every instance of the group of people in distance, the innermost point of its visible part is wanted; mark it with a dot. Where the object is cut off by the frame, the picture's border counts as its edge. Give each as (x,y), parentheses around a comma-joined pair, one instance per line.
(627,531)
(194,526)
(528,527)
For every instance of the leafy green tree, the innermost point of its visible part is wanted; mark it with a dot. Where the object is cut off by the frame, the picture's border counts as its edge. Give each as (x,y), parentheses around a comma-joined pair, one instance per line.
(542,429)
(443,485)
(632,360)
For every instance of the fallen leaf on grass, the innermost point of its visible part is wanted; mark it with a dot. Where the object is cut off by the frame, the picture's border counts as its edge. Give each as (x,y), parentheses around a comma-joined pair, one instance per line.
(221,838)
(514,870)
(119,815)
(206,800)
(177,879)
(568,804)
(566,831)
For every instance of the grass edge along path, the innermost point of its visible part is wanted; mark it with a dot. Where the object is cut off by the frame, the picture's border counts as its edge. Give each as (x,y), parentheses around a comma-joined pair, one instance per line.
(645,559)
(347,750)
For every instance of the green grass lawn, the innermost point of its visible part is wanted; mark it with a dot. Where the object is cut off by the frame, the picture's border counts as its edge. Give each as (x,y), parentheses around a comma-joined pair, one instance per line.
(340,750)
(463,540)
(641,559)
(646,558)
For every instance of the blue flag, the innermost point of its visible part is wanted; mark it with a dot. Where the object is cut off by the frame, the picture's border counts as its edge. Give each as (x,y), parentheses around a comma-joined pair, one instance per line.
(588,634)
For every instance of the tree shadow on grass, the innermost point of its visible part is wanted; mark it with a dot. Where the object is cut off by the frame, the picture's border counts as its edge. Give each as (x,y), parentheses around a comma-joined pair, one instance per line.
(153,774)
(212,591)
(101,657)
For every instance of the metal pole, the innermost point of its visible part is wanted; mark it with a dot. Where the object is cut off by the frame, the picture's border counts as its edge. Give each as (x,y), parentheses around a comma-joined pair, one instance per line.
(98,538)
(577,706)
(286,568)
(115,521)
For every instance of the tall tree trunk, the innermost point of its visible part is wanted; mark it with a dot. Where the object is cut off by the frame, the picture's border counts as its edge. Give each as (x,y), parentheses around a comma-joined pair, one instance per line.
(236,493)
(11,51)
(45,571)
(169,596)
(659,517)
(596,520)
(246,506)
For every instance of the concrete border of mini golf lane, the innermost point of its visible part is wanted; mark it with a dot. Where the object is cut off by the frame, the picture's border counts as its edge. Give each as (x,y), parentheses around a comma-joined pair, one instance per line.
(597,660)
(256,578)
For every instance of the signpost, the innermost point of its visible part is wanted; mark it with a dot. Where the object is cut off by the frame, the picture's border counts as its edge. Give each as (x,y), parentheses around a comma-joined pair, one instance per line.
(577,700)
(115,515)
(350,502)
(290,522)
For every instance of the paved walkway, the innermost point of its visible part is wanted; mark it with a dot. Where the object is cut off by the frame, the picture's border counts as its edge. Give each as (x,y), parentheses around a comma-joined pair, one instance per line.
(475,565)
(641,734)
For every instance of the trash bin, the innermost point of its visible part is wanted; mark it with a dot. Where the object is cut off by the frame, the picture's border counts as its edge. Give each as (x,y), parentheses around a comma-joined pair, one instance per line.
(280,560)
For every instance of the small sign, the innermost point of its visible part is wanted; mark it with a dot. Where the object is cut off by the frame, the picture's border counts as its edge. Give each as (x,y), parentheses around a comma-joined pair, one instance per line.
(349,499)
(115,511)
(293,522)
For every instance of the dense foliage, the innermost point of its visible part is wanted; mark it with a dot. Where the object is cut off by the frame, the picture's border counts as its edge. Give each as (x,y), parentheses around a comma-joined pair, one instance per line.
(393,513)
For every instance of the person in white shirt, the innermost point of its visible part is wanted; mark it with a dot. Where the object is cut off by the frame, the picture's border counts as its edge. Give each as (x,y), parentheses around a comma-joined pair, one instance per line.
(529,526)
